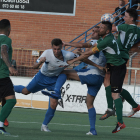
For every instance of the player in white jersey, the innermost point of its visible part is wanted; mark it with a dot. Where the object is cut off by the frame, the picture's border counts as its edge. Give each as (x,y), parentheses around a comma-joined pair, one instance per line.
(54,62)
(92,77)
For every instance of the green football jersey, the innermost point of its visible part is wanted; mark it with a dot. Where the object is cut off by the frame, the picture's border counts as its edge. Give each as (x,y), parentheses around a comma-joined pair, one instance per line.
(4,40)
(109,47)
(128,34)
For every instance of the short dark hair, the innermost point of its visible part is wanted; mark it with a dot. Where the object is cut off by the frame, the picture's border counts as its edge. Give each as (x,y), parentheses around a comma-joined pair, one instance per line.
(132,13)
(108,25)
(4,23)
(56,42)
(97,26)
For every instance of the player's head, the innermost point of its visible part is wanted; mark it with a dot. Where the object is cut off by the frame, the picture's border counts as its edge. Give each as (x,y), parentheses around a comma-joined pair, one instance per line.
(131,16)
(5,27)
(105,28)
(95,32)
(56,46)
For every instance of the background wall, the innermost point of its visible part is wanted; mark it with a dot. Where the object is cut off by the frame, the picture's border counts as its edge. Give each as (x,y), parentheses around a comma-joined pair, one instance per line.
(35,31)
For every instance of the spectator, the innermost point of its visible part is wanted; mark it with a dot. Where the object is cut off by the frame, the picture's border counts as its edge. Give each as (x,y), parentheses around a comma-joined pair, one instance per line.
(134,2)
(120,12)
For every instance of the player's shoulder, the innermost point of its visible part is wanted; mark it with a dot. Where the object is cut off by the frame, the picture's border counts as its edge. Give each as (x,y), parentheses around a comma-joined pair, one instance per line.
(6,38)
(48,51)
(108,38)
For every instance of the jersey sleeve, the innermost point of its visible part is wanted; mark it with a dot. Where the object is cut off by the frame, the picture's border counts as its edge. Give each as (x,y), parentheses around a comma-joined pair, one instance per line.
(6,41)
(44,54)
(122,27)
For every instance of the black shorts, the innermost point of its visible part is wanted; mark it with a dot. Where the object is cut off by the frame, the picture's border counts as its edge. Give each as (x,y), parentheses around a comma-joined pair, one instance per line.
(6,87)
(117,75)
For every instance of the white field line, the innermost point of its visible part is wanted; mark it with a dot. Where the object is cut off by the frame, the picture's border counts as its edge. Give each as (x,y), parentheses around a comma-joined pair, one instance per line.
(15,136)
(70,124)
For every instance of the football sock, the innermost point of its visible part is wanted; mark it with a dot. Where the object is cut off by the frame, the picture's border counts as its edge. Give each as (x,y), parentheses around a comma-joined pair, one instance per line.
(92,118)
(59,83)
(109,97)
(19,88)
(6,109)
(119,106)
(126,95)
(49,115)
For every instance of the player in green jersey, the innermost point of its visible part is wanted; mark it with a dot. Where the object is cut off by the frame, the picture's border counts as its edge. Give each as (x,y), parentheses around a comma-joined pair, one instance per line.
(6,86)
(128,34)
(108,45)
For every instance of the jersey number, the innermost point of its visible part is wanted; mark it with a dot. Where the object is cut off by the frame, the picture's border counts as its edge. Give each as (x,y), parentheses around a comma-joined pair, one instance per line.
(132,41)
(118,51)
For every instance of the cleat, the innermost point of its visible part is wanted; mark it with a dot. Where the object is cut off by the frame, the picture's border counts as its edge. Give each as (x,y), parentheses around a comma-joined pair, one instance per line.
(51,94)
(6,123)
(2,131)
(92,133)
(133,111)
(119,126)
(107,114)
(45,128)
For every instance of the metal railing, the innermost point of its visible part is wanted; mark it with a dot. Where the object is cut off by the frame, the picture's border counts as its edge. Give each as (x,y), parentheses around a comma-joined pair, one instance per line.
(136,69)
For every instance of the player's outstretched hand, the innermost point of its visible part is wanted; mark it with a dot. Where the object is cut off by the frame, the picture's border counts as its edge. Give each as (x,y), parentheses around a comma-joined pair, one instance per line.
(102,68)
(13,71)
(70,62)
(65,43)
(42,59)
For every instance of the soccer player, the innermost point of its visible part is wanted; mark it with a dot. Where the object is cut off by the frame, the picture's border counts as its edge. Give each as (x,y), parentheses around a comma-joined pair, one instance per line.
(6,86)
(128,34)
(115,63)
(54,62)
(92,77)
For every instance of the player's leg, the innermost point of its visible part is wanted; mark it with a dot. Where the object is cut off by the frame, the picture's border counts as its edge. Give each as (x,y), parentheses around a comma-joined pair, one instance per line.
(36,84)
(66,74)
(91,114)
(116,80)
(97,81)
(127,96)
(51,108)
(6,123)
(8,93)
(110,111)
(49,114)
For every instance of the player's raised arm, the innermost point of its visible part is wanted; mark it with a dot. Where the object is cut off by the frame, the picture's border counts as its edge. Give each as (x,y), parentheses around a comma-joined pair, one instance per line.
(78,45)
(84,55)
(114,29)
(5,58)
(87,61)
(37,64)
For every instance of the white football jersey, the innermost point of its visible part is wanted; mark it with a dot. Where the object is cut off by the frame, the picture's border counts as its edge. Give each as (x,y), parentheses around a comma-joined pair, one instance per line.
(53,66)
(100,60)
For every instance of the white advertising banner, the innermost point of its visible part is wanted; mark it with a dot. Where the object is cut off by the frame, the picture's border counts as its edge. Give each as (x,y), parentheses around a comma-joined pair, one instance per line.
(73,97)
